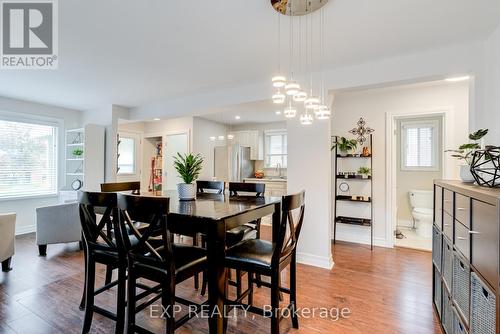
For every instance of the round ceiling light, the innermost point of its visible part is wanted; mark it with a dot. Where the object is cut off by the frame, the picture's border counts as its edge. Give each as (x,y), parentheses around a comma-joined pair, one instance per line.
(279,98)
(301,96)
(290,112)
(279,81)
(292,88)
(322,112)
(311,102)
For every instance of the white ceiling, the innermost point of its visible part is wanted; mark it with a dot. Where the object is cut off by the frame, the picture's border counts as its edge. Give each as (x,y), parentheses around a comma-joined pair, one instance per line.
(130,52)
(252,112)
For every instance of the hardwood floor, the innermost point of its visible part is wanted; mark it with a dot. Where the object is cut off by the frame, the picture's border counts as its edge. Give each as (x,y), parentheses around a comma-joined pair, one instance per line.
(386,291)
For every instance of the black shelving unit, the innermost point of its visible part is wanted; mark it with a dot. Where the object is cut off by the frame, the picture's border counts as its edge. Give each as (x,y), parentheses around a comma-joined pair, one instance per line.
(362,200)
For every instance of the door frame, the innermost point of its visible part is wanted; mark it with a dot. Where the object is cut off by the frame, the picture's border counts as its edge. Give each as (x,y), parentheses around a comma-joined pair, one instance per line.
(391,154)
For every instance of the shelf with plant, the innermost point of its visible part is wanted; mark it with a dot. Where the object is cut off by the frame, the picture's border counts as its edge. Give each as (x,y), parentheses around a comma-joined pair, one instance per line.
(345,146)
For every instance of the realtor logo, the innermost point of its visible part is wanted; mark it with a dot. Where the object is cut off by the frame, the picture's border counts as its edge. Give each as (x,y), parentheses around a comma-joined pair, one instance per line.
(28,34)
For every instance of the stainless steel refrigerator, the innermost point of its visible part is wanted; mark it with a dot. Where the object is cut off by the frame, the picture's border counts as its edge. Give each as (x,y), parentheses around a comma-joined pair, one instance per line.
(232,163)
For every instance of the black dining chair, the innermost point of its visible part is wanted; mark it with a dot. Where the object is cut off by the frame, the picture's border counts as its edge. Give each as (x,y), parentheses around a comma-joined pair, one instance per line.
(214,187)
(166,263)
(134,187)
(100,247)
(266,258)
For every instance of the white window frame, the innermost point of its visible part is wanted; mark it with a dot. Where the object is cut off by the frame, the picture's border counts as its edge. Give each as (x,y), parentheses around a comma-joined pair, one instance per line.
(58,124)
(435,158)
(267,134)
(136,162)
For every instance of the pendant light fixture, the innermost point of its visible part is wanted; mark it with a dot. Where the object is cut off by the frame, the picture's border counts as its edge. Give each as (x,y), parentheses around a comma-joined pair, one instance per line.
(279,98)
(306,118)
(290,112)
(322,111)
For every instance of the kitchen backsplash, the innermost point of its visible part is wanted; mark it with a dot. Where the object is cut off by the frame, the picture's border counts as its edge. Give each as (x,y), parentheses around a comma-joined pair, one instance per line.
(259,165)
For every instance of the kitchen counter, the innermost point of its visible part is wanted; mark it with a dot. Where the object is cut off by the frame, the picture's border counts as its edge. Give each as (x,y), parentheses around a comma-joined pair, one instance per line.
(264,179)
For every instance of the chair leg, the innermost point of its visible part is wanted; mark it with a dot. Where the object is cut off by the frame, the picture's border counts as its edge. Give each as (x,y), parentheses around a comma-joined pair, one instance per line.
(239,277)
(131,303)
(89,295)
(80,244)
(168,302)
(6,265)
(275,303)
(293,293)
(204,283)
(120,300)
(109,274)
(196,277)
(250,288)
(42,250)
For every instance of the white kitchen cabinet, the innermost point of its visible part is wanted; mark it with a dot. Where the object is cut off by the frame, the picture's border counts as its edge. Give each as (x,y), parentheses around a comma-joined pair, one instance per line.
(253,139)
(273,188)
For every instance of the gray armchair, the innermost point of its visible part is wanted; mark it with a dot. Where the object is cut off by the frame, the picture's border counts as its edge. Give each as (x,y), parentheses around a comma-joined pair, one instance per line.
(57,224)
(7,235)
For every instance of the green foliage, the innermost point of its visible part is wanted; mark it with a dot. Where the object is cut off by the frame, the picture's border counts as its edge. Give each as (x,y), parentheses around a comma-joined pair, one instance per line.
(466,151)
(77,152)
(188,166)
(346,145)
(364,171)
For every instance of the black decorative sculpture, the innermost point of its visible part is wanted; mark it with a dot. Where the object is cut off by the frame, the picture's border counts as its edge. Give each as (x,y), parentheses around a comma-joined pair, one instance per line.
(361,131)
(485,167)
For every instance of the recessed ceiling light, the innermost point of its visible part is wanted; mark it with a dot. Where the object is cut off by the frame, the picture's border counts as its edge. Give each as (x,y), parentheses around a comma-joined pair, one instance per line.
(278,112)
(457,79)
(156,119)
(237,117)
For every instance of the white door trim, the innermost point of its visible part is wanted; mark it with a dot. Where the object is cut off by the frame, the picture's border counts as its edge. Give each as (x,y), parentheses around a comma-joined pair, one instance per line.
(390,143)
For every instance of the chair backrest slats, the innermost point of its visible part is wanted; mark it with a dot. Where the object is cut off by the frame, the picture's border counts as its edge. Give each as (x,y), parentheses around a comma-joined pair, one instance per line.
(218,187)
(237,188)
(134,187)
(290,226)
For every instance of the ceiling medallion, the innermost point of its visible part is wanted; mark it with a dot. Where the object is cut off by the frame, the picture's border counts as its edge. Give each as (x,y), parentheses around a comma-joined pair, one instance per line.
(361,131)
(297,7)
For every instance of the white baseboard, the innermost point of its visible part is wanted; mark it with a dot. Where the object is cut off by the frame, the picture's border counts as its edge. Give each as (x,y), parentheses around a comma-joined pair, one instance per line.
(359,235)
(405,223)
(315,260)
(25,229)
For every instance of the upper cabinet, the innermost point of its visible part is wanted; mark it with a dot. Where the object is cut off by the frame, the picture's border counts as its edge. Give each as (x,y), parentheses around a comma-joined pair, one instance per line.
(253,139)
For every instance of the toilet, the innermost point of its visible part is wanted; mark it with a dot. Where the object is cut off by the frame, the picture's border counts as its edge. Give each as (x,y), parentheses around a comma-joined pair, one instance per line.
(421,202)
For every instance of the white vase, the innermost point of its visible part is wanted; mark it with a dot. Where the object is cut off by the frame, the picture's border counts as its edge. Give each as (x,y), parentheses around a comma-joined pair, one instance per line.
(187,191)
(465,174)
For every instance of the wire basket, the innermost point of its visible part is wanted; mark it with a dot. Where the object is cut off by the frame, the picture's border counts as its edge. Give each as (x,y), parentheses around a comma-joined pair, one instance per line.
(447,261)
(447,314)
(437,291)
(461,285)
(485,167)
(483,307)
(458,326)
(436,247)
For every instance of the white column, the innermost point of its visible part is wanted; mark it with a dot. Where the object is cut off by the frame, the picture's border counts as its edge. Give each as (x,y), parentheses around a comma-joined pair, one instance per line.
(309,169)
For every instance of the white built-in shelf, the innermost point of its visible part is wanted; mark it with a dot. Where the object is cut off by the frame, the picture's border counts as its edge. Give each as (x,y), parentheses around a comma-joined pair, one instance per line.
(76,130)
(75,159)
(75,174)
(77,144)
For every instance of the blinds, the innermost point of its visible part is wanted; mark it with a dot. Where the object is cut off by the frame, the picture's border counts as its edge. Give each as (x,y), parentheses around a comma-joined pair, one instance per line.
(276,148)
(28,165)
(419,150)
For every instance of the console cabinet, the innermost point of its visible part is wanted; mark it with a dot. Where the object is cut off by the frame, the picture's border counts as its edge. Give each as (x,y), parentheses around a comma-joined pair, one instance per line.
(466,257)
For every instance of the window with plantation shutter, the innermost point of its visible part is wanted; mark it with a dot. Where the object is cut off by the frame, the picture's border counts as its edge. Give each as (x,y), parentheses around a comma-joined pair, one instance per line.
(28,159)
(419,143)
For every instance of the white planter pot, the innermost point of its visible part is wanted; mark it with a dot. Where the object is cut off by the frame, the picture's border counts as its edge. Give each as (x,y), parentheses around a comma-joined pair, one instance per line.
(187,191)
(343,153)
(465,174)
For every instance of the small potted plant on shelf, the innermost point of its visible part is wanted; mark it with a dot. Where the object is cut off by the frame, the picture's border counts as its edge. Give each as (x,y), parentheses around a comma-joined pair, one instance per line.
(346,145)
(365,172)
(465,152)
(77,152)
(188,166)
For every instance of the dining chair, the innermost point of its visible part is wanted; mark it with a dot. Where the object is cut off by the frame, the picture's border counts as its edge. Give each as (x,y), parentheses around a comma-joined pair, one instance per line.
(100,247)
(215,187)
(267,258)
(165,263)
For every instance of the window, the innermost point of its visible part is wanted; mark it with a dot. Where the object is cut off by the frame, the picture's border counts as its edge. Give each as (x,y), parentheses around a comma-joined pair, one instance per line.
(126,156)
(419,145)
(28,159)
(276,148)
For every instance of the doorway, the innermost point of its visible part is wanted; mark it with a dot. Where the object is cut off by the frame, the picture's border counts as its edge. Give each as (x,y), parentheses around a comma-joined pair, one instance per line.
(419,161)
(173,144)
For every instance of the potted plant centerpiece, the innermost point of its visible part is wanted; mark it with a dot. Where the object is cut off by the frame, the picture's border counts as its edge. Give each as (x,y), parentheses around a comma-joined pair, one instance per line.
(365,172)
(465,152)
(188,166)
(346,145)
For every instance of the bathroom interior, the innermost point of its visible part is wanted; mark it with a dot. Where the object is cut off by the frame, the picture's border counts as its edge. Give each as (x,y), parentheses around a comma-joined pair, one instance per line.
(420,161)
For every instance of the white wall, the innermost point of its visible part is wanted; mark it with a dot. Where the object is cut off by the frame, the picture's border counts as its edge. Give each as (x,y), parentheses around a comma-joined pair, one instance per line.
(25,208)
(309,169)
(202,130)
(373,105)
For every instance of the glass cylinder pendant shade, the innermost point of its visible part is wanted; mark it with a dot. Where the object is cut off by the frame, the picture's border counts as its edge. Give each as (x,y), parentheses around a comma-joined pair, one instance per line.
(279,81)
(311,102)
(306,119)
(230,136)
(279,98)
(290,112)
(301,96)
(322,112)
(292,88)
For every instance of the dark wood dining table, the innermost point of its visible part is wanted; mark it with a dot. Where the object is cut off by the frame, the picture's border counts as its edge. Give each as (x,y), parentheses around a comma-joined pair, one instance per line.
(213,215)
